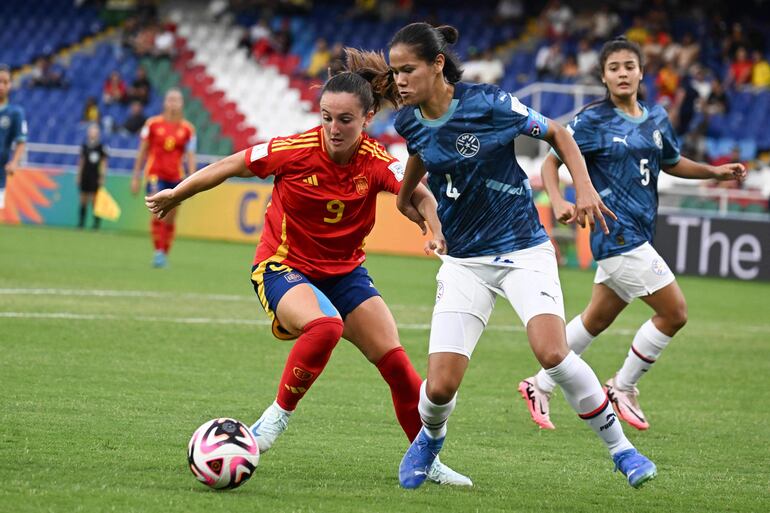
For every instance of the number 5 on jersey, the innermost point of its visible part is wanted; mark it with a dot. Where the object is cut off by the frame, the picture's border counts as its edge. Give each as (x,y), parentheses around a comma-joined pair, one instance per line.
(644,171)
(336,207)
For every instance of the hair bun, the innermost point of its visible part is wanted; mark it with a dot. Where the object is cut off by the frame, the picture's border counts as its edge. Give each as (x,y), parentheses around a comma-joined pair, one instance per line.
(449,33)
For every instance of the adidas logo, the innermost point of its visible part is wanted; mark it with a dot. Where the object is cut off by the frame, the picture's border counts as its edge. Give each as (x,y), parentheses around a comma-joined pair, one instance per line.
(311,180)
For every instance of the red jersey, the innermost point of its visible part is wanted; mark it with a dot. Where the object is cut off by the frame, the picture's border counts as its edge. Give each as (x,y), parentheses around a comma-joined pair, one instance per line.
(320,211)
(167,143)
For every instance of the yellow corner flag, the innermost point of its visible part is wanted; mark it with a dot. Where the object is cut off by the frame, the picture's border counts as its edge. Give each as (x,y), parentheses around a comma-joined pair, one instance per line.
(105,205)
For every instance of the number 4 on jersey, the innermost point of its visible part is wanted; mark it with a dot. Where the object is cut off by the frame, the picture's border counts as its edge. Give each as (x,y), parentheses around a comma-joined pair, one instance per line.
(451,191)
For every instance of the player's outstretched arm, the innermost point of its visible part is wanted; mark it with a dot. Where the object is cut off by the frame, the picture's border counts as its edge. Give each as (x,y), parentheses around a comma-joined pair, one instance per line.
(413,173)
(589,206)
(687,168)
(207,178)
(549,171)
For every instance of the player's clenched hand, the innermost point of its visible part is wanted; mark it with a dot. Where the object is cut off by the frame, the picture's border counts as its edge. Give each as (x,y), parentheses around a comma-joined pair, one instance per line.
(162,203)
(436,245)
(134,186)
(564,211)
(733,171)
(589,208)
(413,215)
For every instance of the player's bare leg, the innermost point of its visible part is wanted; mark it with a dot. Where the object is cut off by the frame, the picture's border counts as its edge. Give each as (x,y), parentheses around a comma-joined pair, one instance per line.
(372,329)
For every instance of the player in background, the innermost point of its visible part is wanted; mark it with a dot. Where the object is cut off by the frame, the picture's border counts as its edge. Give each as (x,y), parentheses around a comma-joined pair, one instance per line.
(492,242)
(168,141)
(92,169)
(13,131)
(625,143)
(307,271)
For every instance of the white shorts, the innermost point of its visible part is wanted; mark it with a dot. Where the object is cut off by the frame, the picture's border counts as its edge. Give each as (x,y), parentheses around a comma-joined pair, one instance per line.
(640,272)
(2,197)
(528,278)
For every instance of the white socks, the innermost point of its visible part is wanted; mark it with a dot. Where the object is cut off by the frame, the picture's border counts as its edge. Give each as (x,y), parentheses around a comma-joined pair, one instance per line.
(648,343)
(586,396)
(434,416)
(578,339)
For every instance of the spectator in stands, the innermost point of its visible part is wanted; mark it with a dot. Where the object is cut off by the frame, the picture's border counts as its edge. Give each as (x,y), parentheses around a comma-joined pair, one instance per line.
(701,82)
(337,60)
(739,74)
(735,40)
(604,23)
(484,67)
(587,63)
(319,60)
(509,12)
(717,102)
(688,54)
(638,32)
(136,118)
(261,40)
(548,61)
(667,82)
(114,89)
(556,19)
(283,39)
(47,73)
(91,112)
(760,70)
(569,69)
(163,42)
(140,87)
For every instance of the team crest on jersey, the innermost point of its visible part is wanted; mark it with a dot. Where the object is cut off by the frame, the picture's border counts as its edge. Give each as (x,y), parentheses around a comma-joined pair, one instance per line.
(5,122)
(362,185)
(658,139)
(293,277)
(467,145)
(659,267)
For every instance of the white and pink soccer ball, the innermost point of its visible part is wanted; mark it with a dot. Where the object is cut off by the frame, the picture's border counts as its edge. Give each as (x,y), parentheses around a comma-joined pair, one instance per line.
(223,453)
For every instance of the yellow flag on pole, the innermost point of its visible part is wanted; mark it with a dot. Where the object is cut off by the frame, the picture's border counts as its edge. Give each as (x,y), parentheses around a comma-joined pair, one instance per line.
(105,205)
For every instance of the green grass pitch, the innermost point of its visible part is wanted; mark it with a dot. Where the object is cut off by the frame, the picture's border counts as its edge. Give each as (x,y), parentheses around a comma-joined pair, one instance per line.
(101,392)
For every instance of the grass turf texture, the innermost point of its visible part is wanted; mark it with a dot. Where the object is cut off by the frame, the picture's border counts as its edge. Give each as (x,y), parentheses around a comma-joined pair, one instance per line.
(101,394)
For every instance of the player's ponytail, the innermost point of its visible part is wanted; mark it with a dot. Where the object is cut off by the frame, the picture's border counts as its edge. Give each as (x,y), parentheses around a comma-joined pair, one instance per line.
(366,75)
(429,42)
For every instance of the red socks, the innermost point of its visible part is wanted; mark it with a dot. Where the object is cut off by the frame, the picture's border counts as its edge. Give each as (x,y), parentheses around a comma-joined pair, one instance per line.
(307,360)
(168,237)
(157,231)
(404,383)
(162,234)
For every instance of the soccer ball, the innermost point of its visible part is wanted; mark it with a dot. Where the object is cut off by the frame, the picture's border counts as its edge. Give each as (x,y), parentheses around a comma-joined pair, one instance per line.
(223,453)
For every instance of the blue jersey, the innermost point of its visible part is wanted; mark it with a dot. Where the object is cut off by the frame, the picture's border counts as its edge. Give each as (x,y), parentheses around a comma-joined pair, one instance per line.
(484,198)
(13,129)
(624,156)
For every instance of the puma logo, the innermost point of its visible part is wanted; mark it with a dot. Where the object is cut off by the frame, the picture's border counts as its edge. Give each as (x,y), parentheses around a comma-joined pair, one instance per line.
(546,294)
(623,140)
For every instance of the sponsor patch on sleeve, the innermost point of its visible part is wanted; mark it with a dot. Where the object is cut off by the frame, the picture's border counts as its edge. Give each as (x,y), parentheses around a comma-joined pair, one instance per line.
(259,151)
(397,168)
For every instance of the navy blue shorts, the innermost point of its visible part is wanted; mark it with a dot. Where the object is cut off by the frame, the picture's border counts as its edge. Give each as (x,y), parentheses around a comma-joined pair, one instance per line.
(338,295)
(154,185)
